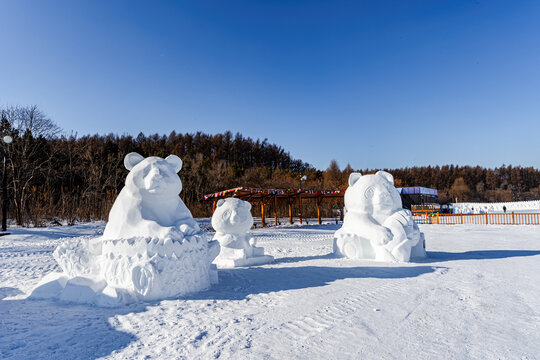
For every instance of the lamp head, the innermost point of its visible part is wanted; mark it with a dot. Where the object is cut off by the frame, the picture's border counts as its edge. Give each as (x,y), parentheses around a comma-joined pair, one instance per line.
(7,139)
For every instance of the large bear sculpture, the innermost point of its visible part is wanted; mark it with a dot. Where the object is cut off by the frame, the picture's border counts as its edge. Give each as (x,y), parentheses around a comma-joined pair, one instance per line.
(232,220)
(149,205)
(151,248)
(375,225)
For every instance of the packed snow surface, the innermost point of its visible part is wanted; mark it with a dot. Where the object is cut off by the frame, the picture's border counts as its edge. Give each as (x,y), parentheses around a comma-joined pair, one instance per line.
(478,208)
(376,226)
(476,296)
(232,220)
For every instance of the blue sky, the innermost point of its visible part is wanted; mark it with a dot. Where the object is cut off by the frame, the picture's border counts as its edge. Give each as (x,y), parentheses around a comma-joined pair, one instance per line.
(377,84)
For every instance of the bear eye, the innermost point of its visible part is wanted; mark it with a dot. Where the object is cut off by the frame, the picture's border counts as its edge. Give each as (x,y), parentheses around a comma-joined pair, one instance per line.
(226,214)
(370,191)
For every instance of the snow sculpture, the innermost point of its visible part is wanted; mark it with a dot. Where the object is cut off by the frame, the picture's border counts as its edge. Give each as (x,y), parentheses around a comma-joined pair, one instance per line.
(232,220)
(151,248)
(375,225)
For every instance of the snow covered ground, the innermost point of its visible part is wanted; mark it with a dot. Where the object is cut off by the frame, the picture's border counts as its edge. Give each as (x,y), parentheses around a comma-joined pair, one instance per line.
(477,297)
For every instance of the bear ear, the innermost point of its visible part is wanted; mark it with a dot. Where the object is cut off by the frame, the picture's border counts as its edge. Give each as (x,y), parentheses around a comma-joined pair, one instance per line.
(353,178)
(220,202)
(386,175)
(132,159)
(175,162)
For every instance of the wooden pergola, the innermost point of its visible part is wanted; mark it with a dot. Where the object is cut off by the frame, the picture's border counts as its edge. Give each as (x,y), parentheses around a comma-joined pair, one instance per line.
(263,197)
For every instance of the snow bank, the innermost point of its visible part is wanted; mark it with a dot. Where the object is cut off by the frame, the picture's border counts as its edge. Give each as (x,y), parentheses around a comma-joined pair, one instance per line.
(480,208)
(151,248)
(232,220)
(375,225)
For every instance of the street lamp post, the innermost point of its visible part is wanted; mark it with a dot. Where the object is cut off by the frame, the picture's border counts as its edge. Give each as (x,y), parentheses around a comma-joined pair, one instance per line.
(7,140)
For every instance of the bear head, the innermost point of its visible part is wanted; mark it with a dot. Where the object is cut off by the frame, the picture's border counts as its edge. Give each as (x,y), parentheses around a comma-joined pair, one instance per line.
(232,216)
(373,194)
(153,176)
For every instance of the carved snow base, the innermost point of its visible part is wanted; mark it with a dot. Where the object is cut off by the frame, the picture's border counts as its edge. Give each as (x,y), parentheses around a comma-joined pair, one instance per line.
(124,270)
(157,269)
(77,256)
(354,247)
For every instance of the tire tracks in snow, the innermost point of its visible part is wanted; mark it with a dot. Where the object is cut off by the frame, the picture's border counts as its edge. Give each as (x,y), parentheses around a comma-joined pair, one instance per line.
(339,318)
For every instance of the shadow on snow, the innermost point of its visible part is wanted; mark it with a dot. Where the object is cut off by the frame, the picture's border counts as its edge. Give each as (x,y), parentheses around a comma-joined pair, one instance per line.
(9,291)
(437,256)
(41,329)
(238,284)
(295,259)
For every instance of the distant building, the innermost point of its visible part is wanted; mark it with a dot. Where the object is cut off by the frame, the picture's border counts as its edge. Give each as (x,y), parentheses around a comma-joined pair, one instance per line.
(418,195)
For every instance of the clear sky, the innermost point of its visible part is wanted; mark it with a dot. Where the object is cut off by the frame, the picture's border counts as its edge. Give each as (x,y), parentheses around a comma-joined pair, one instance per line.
(378,84)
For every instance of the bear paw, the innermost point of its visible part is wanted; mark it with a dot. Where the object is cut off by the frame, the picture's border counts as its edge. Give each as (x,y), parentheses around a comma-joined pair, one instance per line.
(348,245)
(383,236)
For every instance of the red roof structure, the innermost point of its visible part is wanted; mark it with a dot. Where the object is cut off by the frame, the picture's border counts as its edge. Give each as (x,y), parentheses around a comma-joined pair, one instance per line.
(264,196)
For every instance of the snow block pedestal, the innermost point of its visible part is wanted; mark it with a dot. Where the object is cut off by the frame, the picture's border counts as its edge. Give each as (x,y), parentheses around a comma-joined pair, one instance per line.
(229,258)
(154,269)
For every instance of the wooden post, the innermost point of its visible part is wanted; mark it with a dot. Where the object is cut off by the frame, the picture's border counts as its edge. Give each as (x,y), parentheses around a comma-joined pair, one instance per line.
(461,218)
(437,218)
(513,219)
(319,210)
(213,211)
(487,220)
(300,207)
(290,211)
(262,214)
(275,209)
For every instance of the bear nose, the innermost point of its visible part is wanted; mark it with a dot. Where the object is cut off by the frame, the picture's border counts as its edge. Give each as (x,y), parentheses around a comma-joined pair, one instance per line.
(155,172)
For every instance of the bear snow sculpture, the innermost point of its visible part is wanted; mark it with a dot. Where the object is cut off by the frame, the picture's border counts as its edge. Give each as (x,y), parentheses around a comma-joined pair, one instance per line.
(151,248)
(149,205)
(375,225)
(232,220)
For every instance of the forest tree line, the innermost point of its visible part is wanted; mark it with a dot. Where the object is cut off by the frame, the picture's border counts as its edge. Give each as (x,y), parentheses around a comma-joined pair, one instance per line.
(69,178)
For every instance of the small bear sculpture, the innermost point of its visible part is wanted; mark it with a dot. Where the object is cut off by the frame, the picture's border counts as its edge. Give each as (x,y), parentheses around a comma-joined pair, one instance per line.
(232,219)
(151,247)
(375,225)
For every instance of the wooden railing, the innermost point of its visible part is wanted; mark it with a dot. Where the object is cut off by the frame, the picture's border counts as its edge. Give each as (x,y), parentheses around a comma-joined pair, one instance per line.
(485,219)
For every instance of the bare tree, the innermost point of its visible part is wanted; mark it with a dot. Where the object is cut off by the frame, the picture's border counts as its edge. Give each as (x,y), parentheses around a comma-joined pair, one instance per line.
(29,154)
